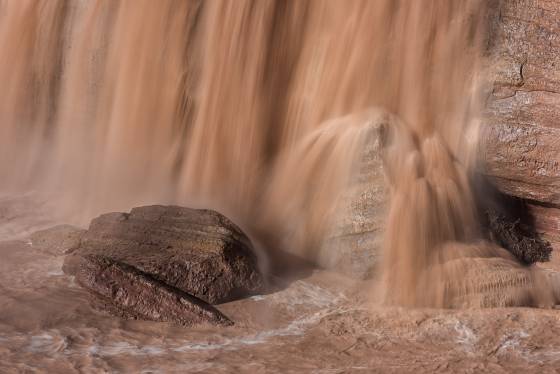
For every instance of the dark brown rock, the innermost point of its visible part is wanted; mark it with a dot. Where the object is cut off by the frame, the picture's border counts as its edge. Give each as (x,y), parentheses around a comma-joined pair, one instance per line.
(527,246)
(130,293)
(199,252)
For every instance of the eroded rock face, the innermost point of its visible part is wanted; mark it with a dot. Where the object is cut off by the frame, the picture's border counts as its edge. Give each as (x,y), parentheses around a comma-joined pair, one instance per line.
(165,263)
(353,245)
(521,136)
(199,252)
(547,221)
(126,291)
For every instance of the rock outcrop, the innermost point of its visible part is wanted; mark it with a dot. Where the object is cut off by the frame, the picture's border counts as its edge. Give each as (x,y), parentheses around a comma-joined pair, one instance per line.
(126,291)
(353,245)
(521,136)
(166,263)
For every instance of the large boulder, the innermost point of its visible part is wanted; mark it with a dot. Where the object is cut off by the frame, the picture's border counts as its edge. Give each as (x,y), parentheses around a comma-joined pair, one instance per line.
(521,136)
(167,253)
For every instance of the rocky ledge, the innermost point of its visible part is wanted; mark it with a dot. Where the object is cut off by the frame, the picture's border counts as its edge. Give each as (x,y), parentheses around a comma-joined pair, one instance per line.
(165,263)
(521,136)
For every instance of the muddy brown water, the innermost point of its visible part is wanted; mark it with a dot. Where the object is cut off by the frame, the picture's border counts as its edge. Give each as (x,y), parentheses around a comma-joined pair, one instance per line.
(319,323)
(227,104)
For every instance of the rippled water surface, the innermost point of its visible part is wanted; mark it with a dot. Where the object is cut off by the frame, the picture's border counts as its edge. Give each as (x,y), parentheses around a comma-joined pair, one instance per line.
(321,323)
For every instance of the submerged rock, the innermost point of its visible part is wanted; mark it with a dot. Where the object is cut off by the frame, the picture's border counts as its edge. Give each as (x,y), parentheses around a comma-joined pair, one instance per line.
(58,240)
(165,254)
(327,195)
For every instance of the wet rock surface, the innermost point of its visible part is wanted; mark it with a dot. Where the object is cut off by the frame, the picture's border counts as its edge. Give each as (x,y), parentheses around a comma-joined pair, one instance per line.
(166,263)
(353,245)
(58,240)
(126,291)
(521,136)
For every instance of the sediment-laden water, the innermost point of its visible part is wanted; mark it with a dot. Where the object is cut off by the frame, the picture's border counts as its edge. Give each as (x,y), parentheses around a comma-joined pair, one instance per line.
(255,108)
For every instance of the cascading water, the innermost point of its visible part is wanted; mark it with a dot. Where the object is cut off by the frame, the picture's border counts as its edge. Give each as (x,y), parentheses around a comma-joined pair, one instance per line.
(233,105)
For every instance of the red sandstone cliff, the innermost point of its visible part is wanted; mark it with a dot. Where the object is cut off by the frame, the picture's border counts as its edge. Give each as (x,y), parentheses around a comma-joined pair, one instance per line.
(521,136)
